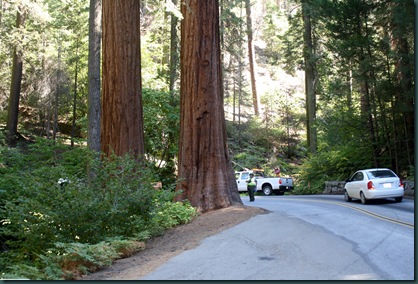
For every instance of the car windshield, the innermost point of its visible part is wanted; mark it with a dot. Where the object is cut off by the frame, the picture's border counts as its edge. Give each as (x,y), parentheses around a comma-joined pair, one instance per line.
(380,174)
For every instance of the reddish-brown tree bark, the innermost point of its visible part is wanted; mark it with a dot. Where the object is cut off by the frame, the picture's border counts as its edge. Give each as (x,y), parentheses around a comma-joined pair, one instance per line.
(206,176)
(122,117)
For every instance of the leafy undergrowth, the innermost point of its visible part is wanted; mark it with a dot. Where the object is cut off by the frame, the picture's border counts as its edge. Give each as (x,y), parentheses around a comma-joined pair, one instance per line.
(64,212)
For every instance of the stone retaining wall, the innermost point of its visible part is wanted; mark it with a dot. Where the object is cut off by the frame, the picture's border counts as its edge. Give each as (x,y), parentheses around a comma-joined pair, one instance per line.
(337,187)
(334,187)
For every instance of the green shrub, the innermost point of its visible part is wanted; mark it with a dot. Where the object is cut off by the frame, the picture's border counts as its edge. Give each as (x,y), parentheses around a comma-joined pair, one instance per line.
(328,165)
(76,259)
(118,201)
(51,207)
(170,214)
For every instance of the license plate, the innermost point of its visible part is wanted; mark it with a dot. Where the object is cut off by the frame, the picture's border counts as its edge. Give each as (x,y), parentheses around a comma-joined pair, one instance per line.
(387,185)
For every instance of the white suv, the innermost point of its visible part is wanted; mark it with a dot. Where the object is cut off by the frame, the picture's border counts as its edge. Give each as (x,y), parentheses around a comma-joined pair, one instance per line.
(373,184)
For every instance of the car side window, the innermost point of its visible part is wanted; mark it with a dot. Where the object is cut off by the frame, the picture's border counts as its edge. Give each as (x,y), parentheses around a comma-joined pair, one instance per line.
(358,177)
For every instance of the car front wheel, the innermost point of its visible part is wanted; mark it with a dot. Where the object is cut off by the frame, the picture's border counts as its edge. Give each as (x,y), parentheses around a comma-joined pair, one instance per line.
(347,197)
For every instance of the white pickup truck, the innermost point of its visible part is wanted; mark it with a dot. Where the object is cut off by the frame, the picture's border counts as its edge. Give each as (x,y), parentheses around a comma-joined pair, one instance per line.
(267,185)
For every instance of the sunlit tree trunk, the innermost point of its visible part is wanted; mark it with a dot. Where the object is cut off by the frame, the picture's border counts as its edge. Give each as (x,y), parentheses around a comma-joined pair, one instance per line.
(173,50)
(122,116)
(251,57)
(206,176)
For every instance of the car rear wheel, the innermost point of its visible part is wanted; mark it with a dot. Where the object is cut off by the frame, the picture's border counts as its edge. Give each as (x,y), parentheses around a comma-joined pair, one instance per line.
(363,198)
(347,197)
(398,199)
(267,190)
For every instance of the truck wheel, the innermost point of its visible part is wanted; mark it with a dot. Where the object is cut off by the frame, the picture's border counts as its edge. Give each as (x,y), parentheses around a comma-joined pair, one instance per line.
(267,190)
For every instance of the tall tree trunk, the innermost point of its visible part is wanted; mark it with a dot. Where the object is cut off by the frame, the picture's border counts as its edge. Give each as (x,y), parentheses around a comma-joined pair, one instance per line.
(392,137)
(94,104)
(75,96)
(56,97)
(1,11)
(206,176)
(366,111)
(251,56)
(48,117)
(15,87)
(404,96)
(122,115)
(365,88)
(310,78)
(174,58)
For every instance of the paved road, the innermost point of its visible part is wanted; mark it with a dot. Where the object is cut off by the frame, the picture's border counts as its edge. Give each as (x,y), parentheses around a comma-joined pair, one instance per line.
(305,238)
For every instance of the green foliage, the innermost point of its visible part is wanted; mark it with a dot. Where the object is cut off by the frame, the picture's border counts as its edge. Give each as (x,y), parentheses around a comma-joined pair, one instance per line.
(161,127)
(40,211)
(337,163)
(253,145)
(69,260)
(410,175)
(74,258)
(170,214)
(50,207)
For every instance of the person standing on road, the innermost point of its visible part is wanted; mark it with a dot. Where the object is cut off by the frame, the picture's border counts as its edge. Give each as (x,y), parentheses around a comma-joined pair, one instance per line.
(251,185)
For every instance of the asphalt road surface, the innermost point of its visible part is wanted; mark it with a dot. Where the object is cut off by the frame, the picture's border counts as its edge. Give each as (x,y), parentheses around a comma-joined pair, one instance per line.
(306,238)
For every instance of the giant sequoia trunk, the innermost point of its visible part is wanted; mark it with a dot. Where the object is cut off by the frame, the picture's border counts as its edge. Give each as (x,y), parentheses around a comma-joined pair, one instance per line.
(122,123)
(206,176)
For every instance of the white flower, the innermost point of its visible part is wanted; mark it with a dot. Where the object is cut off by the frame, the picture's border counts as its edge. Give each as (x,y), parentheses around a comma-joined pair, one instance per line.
(62,181)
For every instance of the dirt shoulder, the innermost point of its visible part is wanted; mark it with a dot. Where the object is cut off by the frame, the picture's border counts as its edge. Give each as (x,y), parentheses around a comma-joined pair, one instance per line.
(175,241)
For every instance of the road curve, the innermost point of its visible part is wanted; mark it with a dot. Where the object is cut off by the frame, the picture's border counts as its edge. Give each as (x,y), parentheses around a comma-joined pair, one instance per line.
(305,238)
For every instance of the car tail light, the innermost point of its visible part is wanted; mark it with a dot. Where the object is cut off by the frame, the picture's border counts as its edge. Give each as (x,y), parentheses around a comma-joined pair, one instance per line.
(280,181)
(370,185)
(400,183)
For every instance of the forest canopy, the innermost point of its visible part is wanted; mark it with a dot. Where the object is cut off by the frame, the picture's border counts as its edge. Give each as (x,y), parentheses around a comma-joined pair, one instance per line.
(333,80)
